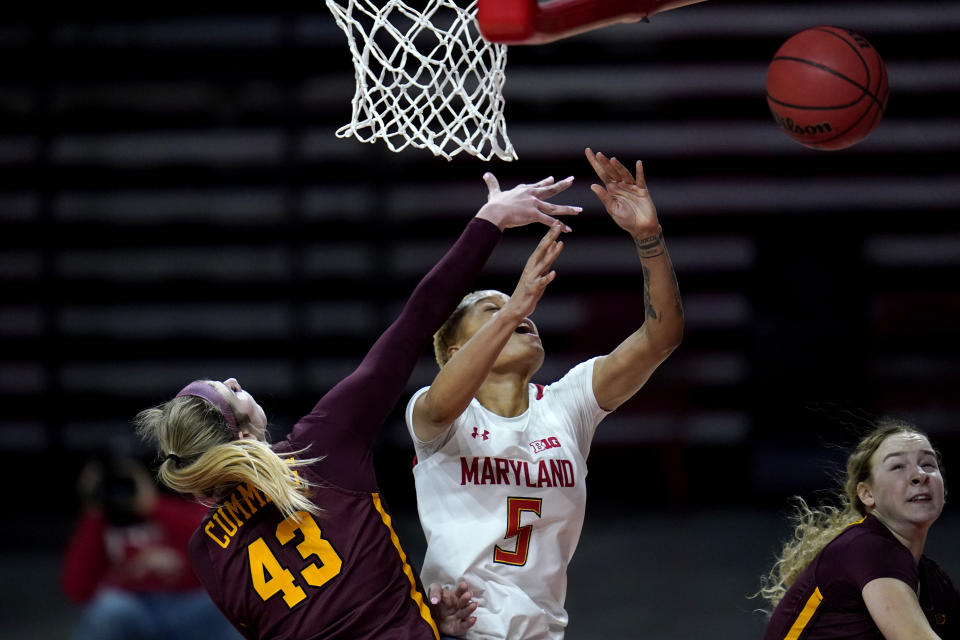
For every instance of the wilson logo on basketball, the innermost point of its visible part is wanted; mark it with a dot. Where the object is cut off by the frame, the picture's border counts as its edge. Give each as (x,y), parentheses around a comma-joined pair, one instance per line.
(543,445)
(790,126)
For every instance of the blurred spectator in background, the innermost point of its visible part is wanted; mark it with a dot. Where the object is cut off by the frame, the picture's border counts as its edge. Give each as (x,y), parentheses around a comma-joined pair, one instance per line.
(126,561)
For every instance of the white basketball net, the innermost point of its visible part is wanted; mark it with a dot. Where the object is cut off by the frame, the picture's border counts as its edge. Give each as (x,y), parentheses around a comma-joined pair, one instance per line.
(425,78)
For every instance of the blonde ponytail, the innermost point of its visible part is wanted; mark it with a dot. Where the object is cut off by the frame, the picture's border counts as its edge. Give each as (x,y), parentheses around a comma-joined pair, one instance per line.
(204,459)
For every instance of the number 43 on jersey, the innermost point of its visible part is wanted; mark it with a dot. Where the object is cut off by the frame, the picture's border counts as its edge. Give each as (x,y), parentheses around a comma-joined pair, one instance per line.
(270,577)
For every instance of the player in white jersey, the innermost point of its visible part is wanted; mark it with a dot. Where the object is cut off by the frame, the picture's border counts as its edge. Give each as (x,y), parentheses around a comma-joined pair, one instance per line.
(501,461)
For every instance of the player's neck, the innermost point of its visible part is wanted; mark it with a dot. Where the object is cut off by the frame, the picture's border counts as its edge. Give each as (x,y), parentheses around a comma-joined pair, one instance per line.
(910,535)
(505,394)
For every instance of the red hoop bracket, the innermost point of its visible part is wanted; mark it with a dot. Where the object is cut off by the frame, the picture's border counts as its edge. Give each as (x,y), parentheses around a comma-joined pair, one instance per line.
(530,22)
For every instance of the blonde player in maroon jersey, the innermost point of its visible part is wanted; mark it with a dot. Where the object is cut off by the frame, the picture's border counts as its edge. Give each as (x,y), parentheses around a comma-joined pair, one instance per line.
(856,570)
(501,461)
(299,544)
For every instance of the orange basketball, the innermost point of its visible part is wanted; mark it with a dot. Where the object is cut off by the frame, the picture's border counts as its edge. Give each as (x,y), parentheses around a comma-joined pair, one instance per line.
(827,87)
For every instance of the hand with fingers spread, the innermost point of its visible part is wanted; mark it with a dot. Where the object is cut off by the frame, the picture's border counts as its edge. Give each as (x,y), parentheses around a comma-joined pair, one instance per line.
(536,275)
(452,609)
(525,203)
(624,196)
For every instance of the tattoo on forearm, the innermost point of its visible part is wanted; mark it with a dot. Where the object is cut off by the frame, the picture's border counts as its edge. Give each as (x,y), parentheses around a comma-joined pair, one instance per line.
(650,247)
(647,304)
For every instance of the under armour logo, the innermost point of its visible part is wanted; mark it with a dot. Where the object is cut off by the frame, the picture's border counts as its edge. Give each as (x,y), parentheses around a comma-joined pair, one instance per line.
(485,435)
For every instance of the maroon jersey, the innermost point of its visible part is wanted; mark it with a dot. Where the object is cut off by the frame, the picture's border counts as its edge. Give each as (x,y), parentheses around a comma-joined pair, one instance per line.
(939,600)
(343,573)
(826,601)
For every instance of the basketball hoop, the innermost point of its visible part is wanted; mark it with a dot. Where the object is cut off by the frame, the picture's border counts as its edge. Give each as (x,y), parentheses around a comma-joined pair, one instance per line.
(425,78)
(533,22)
(429,79)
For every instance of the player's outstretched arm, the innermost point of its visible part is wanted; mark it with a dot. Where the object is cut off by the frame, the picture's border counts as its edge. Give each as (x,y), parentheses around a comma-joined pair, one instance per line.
(619,375)
(461,377)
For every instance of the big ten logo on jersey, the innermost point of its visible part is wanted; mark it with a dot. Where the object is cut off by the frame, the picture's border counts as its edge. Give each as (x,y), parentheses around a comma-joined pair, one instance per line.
(546,443)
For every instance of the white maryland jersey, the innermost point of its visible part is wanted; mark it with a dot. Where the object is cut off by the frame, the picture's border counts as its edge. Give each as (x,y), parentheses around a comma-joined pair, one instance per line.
(501,502)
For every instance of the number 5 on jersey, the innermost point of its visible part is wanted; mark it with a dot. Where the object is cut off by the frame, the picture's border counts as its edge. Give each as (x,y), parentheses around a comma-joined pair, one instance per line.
(263,562)
(515,508)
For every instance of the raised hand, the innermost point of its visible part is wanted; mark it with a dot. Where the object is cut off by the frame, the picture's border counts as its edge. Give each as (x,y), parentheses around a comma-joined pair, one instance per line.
(452,609)
(537,273)
(525,203)
(624,196)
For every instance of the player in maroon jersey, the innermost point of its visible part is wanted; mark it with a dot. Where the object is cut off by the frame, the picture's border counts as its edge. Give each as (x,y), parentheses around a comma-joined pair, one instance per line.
(857,571)
(298,543)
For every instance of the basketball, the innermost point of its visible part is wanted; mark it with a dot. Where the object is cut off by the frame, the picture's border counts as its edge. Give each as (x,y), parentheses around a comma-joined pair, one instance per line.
(827,87)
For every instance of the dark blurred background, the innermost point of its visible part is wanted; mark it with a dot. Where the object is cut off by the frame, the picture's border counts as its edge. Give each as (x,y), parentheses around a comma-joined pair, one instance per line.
(174,204)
